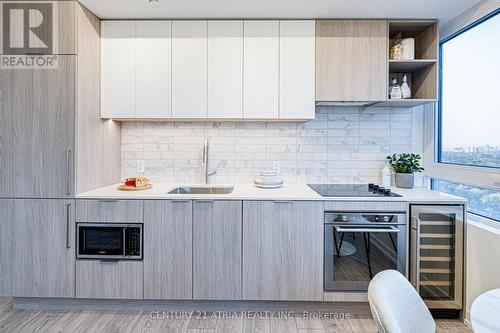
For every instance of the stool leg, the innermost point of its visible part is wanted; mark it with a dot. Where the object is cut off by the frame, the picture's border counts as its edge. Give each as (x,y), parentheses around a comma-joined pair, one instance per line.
(366,239)
(338,246)
(337,249)
(393,243)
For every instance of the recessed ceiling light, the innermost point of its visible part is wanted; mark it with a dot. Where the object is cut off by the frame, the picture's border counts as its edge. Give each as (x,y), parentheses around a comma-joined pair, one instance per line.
(154,3)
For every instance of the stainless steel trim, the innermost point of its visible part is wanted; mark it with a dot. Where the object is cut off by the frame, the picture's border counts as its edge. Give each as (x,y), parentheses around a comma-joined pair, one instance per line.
(124,232)
(127,225)
(360,220)
(413,253)
(117,257)
(68,212)
(417,254)
(458,222)
(68,166)
(206,148)
(459,256)
(389,229)
(205,151)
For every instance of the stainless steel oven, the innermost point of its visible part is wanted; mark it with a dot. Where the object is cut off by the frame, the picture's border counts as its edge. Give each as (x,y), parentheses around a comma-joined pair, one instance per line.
(109,241)
(358,245)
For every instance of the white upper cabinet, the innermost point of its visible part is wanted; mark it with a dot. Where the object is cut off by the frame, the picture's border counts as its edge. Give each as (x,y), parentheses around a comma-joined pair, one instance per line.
(297,70)
(153,69)
(225,69)
(118,69)
(189,69)
(220,69)
(260,74)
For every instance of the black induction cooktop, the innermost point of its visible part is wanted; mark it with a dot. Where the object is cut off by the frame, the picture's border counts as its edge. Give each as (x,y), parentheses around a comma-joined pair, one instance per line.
(352,190)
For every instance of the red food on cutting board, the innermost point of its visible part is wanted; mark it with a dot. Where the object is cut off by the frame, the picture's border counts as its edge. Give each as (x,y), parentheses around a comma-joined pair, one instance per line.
(130,182)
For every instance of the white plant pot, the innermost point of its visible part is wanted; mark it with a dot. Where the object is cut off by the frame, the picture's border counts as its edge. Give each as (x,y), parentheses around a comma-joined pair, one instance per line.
(405,180)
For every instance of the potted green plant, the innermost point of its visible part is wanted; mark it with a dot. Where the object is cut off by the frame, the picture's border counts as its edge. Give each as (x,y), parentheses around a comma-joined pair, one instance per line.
(404,166)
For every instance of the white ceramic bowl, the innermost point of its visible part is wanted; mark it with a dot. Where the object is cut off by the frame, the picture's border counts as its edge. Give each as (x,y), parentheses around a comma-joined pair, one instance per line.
(268,173)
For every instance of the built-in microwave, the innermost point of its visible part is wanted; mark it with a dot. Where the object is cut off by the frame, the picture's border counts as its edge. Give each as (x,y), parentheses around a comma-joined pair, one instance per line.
(109,241)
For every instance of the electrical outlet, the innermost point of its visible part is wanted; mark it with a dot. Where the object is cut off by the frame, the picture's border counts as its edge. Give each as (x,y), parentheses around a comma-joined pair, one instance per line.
(140,166)
(277,166)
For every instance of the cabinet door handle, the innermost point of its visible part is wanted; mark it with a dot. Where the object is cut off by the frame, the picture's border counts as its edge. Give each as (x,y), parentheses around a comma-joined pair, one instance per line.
(108,261)
(204,201)
(283,202)
(180,201)
(68,212)
(68,165)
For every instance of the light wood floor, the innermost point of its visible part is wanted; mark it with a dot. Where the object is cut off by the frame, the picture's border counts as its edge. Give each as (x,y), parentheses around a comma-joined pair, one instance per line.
(140,321)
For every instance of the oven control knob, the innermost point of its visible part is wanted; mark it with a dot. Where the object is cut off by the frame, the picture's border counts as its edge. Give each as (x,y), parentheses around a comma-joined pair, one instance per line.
(344,218)
(386,218)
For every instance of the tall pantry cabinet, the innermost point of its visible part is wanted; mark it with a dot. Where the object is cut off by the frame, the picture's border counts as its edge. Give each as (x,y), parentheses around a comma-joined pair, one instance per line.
(53,145)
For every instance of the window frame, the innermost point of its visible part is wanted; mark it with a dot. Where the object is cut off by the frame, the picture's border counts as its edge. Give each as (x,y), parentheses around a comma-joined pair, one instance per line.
(439,125)
(480,176)
(472,214)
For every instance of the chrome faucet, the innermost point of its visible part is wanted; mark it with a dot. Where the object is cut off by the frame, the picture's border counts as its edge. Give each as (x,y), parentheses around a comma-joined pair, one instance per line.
(205,161)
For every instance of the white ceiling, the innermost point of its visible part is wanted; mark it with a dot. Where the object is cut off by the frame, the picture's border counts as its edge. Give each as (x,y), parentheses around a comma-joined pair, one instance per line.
(139,9)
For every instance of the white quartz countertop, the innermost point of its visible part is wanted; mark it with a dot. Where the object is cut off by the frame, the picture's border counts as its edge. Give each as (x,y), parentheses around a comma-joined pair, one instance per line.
(250,192)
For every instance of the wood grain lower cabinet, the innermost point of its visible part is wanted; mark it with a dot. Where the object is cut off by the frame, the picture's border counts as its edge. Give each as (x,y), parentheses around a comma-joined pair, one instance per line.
(109,211)
(217,227)
(283,250)
(114,279)
(168,249)
(37,255)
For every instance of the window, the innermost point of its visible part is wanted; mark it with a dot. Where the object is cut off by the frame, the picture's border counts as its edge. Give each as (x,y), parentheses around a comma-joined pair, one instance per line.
(463,153)
(469,113)
(480,201)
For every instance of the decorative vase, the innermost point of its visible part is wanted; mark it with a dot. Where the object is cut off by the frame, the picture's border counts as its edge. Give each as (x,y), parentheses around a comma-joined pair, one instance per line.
(405,180)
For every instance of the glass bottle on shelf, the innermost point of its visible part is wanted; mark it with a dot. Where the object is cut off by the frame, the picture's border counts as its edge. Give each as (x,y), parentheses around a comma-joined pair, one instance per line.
(405,88)
(395,90)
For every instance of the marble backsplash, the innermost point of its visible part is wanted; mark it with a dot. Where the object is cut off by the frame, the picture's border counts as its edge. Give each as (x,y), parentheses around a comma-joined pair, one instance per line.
(343,144)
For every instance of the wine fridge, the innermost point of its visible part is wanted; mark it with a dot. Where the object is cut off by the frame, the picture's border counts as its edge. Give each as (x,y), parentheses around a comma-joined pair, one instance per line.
(436,254)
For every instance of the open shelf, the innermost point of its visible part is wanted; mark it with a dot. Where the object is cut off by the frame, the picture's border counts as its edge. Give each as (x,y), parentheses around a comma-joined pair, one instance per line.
(425,33)
(421,72)
(410,66)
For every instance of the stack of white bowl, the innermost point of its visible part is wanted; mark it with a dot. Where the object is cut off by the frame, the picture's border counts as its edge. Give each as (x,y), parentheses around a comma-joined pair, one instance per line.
(268,179)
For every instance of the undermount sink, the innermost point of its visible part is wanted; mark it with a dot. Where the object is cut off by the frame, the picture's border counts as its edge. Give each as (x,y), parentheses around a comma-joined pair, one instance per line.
(201,190)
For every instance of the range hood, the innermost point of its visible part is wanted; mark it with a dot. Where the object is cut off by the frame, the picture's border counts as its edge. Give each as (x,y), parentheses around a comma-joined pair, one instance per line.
(346,103)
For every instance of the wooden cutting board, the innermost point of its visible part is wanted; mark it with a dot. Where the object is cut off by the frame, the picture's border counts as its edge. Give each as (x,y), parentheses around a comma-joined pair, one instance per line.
(133,188)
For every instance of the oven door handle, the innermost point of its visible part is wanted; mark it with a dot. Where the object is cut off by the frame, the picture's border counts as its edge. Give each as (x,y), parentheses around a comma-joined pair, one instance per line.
(390,229)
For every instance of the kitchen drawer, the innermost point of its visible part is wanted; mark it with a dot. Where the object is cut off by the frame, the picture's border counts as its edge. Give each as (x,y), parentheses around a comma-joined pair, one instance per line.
(118,279)
(365,206)
(110,211)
